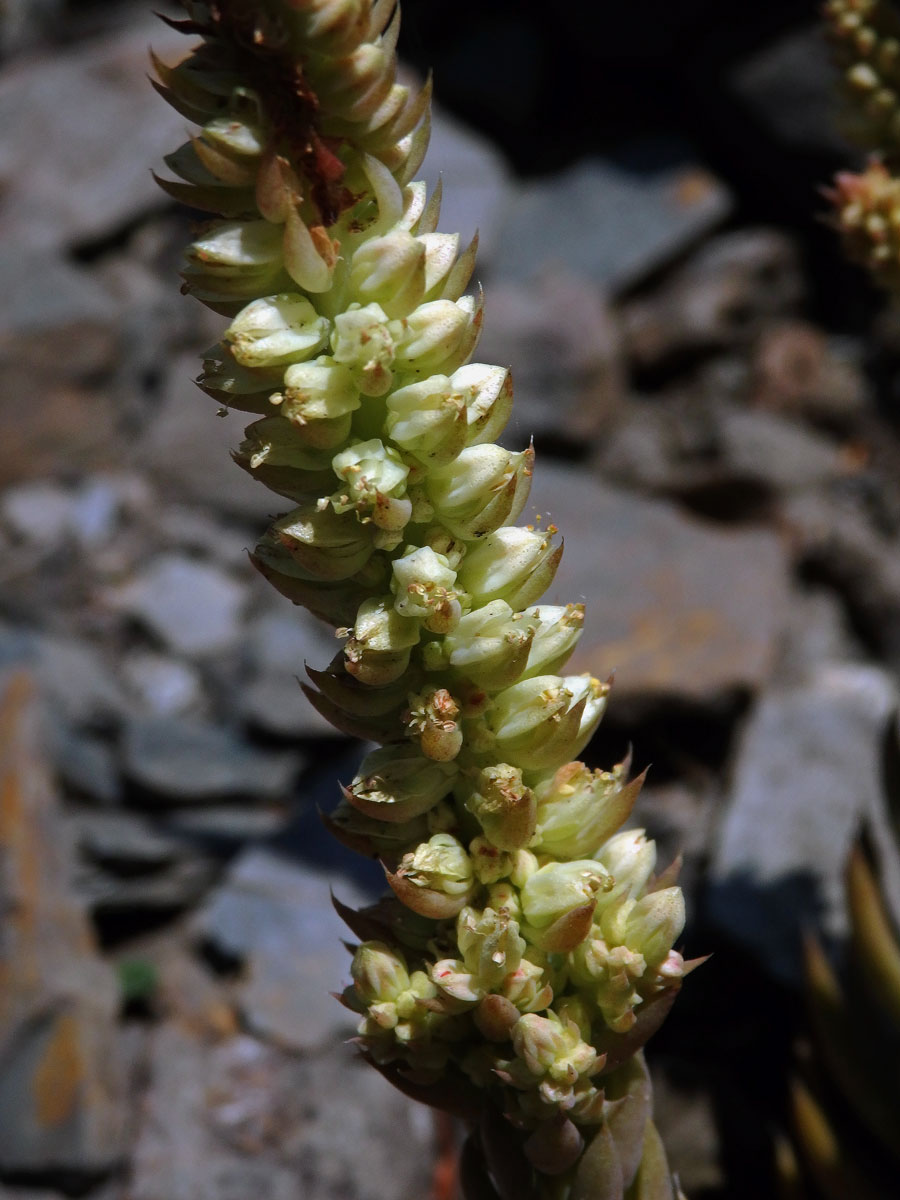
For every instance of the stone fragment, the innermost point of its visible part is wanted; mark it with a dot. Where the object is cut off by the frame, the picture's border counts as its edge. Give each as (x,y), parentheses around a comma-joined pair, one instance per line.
(693,447)
(224,827)
(797,370)
(612,222)
(62,1098)
(233,1118)
(721,297)
(176,761)
(476,183)
(85,116)
(73,676)
(285,638)
(123,840)
(85,764)
(162,891)
(566,349)
(193,607)
(834,537)
(187,448)
(675,606)
(164,686)
(806,773)
(275,705)
(275,915)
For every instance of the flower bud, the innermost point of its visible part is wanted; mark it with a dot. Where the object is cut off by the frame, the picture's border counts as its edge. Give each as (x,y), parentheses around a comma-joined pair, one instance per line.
(379,973)
(431,719)
(322,543)
(276,330)
(540,722)
(377,653)
(611,975)
(441,250)
(436,336)
(389,271)
(630,859)
(422,583)
(490,945)
(436,879)
(375,487)
(578,809)
(362,342)
(556,635)
(557,888)
(428,420)
(235,260)
(550,1048)
(512,564)
(654,923)
(490,863)
(398,783)
(503,806)
(483,489)
(490,645)
(318,398)
(488,394)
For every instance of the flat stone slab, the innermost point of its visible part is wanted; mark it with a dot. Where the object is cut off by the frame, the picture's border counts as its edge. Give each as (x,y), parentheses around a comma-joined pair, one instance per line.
(807,773)
(234,1118)
(676,607)
(612,222)
(276,916)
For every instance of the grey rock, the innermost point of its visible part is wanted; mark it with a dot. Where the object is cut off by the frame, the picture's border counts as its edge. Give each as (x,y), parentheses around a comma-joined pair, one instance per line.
(834,536)
(723,296)
(161,891)
(202,532)
(23,23)
(283,639)
(224,826)
(798,371)
(39,513)
(123,839)
(164,686)
(276,705)
(675,606)
(86,116)
(62,1093)
(84,763)
(72,674)
(684,444)
(775,451)
(609,221)
(476,183)
(791,87)
(236,1118)
(566,349)
(276,916)
(193,607)
(817,634)
(54,313)
(187,762)
(48,515)
(187,448)
(807,772)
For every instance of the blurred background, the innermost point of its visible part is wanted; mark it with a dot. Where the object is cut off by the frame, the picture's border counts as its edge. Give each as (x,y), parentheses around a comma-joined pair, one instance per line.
(713,396)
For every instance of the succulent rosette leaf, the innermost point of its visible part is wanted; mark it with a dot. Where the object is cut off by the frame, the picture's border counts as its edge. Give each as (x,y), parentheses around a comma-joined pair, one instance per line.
(526,951)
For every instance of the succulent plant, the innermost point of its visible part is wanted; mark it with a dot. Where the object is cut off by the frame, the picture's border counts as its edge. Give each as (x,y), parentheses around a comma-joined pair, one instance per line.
(525,950)
(845,1103)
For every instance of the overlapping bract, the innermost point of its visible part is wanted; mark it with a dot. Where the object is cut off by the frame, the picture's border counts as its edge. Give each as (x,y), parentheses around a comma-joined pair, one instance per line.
(526,947)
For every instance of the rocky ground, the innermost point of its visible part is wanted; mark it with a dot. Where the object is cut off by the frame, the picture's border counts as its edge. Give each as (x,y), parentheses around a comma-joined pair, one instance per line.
(725,470)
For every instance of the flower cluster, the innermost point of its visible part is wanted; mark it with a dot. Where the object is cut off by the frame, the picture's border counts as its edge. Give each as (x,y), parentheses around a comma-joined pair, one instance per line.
(865,40)
(526,945)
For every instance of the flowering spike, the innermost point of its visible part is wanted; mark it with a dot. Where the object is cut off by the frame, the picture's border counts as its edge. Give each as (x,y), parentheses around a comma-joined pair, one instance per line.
(524,951)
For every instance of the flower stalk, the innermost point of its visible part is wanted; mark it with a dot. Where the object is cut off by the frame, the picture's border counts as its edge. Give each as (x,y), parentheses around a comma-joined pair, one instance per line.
(524,951)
